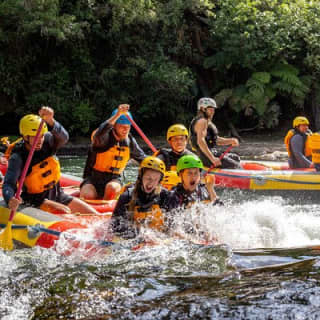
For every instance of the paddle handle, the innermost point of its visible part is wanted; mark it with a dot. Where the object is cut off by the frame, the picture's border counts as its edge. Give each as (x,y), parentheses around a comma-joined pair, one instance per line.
(225,152)
(26,166)
(143,136)
(220,158)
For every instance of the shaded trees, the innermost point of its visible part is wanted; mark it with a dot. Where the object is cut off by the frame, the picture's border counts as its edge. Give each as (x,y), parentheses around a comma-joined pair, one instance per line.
(259,59)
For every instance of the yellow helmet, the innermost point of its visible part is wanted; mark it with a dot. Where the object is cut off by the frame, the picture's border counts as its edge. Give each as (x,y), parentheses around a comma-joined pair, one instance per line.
(170,179)
(153,163)
(177,130)
(300,120)
(29,125)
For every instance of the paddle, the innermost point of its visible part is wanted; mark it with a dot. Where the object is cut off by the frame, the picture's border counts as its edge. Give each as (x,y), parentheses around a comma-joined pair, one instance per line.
(220,158)
(6,236)
(39,228)
(143,136)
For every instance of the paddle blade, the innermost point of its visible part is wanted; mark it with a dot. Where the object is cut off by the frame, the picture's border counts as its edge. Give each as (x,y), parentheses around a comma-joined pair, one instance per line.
(6,237)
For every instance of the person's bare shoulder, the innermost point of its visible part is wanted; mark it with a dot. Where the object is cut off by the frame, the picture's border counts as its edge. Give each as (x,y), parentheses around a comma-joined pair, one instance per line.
(201,125)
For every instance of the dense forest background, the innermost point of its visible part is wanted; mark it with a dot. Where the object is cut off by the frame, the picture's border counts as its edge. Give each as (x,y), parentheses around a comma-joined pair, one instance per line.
(259,59)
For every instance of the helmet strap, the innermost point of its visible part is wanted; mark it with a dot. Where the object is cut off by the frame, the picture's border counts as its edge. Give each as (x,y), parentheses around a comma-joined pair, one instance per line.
(27,143)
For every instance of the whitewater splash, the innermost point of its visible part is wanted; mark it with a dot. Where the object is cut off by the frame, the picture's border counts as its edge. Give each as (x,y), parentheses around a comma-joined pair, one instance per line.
(268,222)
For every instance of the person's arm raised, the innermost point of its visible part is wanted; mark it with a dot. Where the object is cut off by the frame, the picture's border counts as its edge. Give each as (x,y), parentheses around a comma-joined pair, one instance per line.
(59,135)
(122,109)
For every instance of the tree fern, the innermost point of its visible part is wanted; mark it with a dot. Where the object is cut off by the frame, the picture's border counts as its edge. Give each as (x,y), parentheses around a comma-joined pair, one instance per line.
(222,97)
(263,77)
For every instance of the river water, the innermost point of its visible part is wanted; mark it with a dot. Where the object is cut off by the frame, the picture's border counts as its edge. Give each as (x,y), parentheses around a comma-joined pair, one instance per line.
(177,280)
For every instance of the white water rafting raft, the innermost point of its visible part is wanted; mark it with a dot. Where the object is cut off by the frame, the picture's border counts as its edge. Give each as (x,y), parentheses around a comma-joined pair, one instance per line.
(267,176)
(33,227)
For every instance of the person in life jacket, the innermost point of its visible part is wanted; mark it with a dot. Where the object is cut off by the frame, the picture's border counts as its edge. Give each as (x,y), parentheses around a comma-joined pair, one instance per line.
(142,204)
(41,186)
(111,148)
(204,138)
(297,145)
(189,192)
(177,137)
(191,189)
(4,145)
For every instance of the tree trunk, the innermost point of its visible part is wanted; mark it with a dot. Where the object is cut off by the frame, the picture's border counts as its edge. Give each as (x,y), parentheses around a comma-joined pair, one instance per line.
(232,128)
(315,108)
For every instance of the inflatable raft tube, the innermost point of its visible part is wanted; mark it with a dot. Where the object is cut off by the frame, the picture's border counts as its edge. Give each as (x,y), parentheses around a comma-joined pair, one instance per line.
(33,217)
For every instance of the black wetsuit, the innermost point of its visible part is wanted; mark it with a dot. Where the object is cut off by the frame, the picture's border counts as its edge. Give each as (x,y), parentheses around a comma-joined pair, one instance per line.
(229,161)
(170,158)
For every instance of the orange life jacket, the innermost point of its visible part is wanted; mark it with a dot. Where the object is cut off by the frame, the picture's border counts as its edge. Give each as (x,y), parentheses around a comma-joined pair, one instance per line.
(152,218)
(43,176)
(10,147)
(307,147)
(114,160)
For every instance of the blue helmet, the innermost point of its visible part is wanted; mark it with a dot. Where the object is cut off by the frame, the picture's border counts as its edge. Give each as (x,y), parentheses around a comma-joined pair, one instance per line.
(122,119)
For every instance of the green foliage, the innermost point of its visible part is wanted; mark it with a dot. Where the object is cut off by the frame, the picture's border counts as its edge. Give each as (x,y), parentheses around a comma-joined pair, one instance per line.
(84,57)
(261,88)
(83,116)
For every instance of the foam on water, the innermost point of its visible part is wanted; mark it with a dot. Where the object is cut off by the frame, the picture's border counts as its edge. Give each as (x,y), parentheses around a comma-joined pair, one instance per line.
(270,222)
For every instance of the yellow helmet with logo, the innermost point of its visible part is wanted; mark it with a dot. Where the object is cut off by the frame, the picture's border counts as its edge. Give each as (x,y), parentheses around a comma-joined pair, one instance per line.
(153,163)
(300,120)
(177,130)
(29,125)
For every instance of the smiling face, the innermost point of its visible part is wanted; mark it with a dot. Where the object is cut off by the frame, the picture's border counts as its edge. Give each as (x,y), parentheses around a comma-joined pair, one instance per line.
(190,178)
(150,180)
(303,128)
(178,143)
(29,142)
(210,112)
(122,130)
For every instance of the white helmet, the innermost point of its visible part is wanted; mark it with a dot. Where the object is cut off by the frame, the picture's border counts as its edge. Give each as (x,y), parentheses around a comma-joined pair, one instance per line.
(206,102)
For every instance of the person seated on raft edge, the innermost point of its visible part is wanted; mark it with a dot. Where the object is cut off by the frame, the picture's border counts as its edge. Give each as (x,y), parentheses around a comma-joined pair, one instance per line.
(177,137)
(111,149)
(4,144)
(41,186)
(297,145)
(141,204)
(204,138)
(6,147)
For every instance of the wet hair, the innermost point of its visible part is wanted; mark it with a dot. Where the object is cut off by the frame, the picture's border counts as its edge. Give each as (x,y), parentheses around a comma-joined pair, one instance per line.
(138,186)
(203,113)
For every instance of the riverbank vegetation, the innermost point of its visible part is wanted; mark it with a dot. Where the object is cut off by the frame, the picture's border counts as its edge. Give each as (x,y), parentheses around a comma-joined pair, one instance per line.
(259,59)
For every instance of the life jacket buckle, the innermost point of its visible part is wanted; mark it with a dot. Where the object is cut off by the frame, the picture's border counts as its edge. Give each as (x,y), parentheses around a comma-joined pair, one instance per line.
(43,164)
(49,185)
(47,173)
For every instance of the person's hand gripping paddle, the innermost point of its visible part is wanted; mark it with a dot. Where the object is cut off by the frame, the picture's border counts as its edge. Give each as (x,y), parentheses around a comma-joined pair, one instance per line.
(6,241)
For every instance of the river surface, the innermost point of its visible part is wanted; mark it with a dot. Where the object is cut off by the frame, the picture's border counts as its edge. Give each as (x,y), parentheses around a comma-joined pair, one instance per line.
(177,280)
